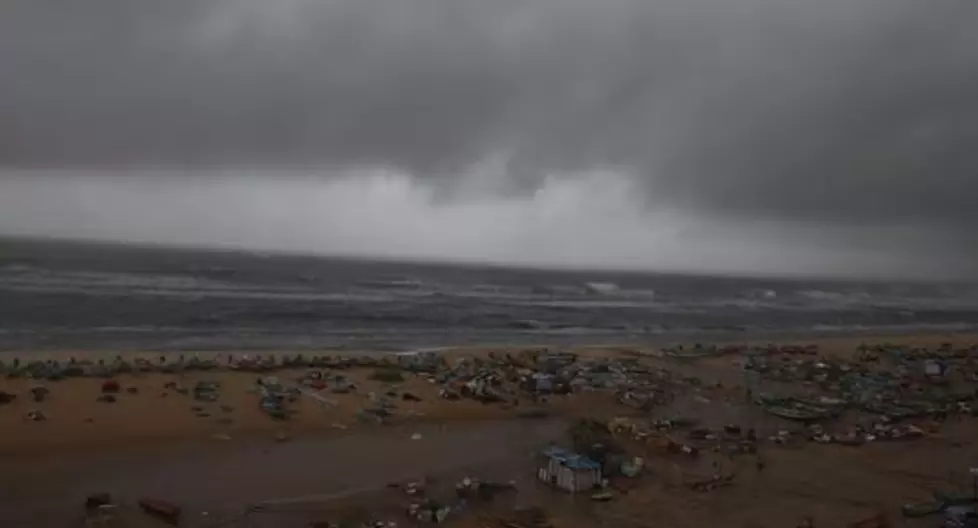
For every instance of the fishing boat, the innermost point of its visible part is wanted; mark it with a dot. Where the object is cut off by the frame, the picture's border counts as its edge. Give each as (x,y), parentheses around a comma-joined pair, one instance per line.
(922,509)
(163,510)
(797,414)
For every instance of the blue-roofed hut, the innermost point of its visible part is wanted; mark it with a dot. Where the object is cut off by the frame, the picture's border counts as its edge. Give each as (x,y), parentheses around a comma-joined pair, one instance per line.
(568,471)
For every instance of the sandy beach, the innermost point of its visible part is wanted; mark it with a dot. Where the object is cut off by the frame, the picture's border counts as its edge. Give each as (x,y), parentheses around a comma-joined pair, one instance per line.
(152,415)
(221,452)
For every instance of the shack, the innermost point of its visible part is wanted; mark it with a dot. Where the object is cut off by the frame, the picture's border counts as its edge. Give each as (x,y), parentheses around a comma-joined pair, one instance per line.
(568,471)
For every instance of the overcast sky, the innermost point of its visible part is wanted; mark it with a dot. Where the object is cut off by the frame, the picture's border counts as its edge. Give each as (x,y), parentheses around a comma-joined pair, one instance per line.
(798,136)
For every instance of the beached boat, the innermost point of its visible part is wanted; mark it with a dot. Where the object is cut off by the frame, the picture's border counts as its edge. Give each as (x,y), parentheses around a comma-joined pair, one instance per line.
(955,498)
(921,509)
(163,510)
(797,414)
(791,408)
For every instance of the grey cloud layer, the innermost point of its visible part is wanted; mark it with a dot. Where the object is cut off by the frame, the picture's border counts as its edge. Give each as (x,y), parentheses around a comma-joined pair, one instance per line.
(832,111)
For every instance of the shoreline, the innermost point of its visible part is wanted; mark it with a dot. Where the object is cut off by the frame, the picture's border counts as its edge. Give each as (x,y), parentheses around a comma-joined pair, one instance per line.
(747,337)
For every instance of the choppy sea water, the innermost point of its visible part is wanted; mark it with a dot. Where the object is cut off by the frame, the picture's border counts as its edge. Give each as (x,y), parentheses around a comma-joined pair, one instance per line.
(75,295)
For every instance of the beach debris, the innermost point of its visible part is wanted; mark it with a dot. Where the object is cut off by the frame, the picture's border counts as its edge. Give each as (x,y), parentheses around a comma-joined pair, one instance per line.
(715,482)
(163,510)
(373,415)
(39,392)
(97,500)
(35,415)
(132,390)
(270,382)
(389,374)
(206,391)
(273,397)
(320,398)
(680,448)
(6,397)
(312,375)
(272,405)
(416,436)
(449,394)
(960,517)
(340,384)
(429,511)
(103,515)
(473,488)
(110,386)
(414,488)
(99,507)
(602,496)
(631,468)
(106,398)
(409,396)
(282,436)
(221,436)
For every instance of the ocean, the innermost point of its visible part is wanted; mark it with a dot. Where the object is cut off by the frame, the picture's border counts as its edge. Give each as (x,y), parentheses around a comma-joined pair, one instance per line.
(71,295)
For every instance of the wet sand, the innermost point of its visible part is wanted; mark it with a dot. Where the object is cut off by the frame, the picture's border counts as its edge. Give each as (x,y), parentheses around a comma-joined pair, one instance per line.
(148,444)
(834,485)
(224,479)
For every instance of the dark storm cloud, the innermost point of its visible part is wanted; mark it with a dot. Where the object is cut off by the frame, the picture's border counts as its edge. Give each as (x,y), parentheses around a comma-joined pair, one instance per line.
(830,111)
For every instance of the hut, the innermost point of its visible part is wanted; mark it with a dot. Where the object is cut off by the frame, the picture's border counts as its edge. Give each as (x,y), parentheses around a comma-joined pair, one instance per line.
(568,471)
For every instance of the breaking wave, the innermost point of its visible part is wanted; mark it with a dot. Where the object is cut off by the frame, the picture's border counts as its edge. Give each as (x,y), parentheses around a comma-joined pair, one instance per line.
(602,288)
(275,301)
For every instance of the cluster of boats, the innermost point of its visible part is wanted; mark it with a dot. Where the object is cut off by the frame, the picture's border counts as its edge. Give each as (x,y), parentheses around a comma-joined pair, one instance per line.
(53,370)
(700,351)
